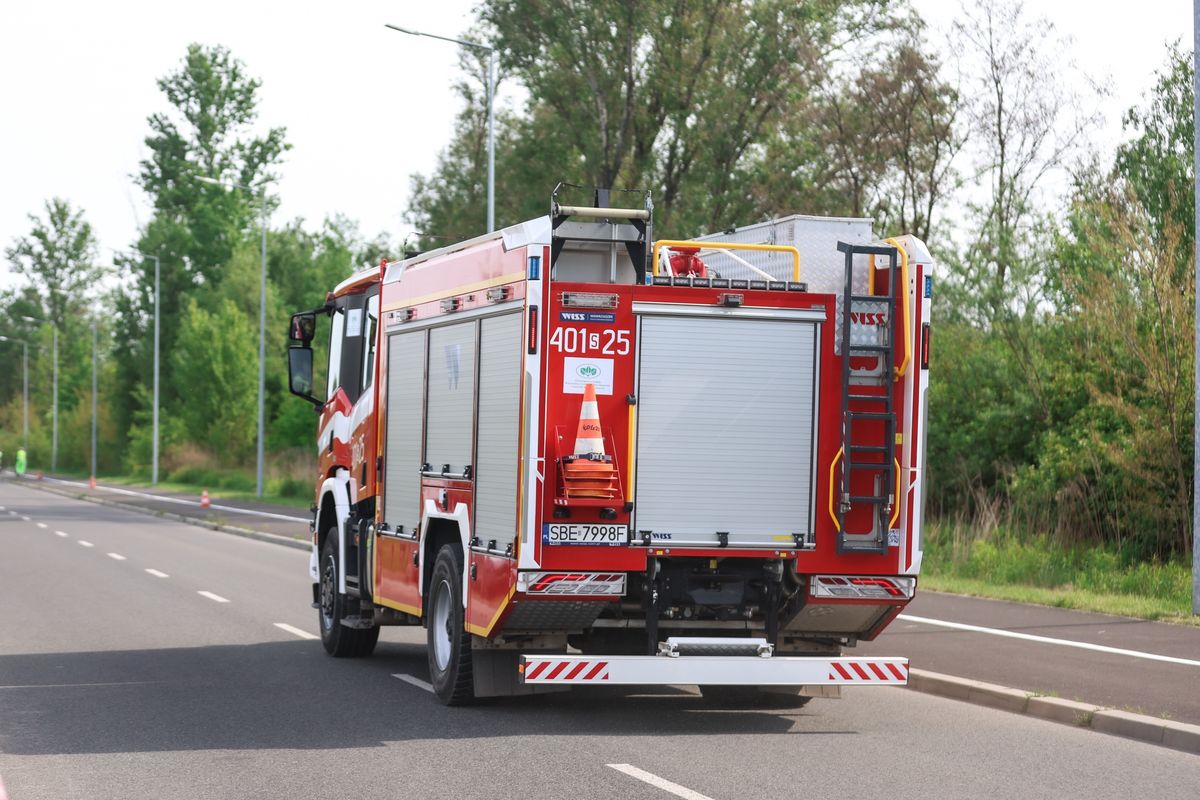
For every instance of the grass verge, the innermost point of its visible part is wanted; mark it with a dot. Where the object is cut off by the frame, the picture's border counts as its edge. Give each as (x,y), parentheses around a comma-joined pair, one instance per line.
(1025,568)
(235,486)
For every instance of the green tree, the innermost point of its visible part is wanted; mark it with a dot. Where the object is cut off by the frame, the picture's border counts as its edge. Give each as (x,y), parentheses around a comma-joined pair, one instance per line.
(58,280)
(674,97)
(1158,162)
(216,354)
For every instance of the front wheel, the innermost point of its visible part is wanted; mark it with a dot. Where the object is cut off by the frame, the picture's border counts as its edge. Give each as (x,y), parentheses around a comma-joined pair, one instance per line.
(449,644)
(339,640)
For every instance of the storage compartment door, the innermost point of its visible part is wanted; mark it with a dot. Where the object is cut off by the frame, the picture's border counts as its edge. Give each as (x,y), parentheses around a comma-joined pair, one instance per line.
(405,410)
(725,438)
(496,449)
(450,427)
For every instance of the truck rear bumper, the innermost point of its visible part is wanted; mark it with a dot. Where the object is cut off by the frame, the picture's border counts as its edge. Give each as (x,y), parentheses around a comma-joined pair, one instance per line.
(713,670)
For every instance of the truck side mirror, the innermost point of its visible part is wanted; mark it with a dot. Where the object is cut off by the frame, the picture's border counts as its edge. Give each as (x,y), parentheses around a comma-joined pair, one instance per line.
(300,373)
(303,327)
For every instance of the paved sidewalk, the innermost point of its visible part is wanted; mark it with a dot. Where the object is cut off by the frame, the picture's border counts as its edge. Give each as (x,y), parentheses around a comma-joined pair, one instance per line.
(252,515)
(1126,682)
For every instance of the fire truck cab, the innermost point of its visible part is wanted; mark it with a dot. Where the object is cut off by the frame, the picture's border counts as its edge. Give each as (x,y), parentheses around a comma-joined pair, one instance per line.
(578,455)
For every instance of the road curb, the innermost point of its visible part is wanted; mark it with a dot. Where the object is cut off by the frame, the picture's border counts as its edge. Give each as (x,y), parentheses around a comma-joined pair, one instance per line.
(1152,730)
(249,533)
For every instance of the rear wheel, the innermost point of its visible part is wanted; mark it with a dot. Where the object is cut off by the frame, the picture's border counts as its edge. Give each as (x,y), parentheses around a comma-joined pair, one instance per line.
(449,644)
(339,640)
(753,697)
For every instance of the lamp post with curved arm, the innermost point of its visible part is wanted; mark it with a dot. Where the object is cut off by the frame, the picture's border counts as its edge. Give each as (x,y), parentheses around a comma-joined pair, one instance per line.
(262,318)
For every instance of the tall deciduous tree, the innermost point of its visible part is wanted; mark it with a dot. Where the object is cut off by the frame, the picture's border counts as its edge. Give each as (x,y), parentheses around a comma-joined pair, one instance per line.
(206,131)
(676,97)
(58,260)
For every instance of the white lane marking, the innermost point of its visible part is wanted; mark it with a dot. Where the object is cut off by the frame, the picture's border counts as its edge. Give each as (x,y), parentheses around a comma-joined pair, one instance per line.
(82,543)
(116,556)
(414,681)
(657,782)
(1029,637)
(60,533)
(214,597)
(283,626)
(182,502)
(25,518)
(158,574)
(42,525)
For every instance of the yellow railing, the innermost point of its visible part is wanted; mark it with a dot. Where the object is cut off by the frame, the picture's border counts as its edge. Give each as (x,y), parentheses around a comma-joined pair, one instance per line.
(770,248)
(833,490)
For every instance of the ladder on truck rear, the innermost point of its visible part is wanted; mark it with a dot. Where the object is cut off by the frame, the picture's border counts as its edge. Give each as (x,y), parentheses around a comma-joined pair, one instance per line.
(868,414)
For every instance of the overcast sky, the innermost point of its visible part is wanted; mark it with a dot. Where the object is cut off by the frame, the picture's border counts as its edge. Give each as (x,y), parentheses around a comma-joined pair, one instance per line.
(365,107)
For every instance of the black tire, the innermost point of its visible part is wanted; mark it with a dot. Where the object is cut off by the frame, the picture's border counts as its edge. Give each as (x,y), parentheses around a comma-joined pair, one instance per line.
(448,643)
(752,697)
(339,641)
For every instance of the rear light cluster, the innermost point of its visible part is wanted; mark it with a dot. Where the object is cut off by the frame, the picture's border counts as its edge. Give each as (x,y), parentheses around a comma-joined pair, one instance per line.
(730,283)
(874,588)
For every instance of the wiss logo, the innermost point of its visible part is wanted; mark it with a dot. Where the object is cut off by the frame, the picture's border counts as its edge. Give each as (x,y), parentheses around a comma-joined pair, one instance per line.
(573,316)
(868,318)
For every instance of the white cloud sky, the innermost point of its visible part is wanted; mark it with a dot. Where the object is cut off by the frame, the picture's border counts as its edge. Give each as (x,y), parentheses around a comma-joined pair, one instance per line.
(365,107)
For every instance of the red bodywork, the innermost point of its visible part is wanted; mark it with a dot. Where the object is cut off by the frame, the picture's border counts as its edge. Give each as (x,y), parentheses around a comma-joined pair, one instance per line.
(552,332)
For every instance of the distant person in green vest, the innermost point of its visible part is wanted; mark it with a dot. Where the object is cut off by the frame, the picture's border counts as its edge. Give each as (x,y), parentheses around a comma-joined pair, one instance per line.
(20,461)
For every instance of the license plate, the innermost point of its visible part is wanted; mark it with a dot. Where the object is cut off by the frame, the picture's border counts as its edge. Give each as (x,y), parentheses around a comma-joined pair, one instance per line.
(556,533)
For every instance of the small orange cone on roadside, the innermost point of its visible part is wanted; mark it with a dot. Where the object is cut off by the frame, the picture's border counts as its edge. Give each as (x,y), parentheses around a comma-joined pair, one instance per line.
(204,501)
(92,482)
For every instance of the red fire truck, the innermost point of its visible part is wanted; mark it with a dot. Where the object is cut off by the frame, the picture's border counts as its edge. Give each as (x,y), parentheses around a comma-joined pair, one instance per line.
(580,456)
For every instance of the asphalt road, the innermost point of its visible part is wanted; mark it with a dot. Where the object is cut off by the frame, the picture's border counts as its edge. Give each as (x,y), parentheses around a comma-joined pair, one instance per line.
(1133,683)
(118,682)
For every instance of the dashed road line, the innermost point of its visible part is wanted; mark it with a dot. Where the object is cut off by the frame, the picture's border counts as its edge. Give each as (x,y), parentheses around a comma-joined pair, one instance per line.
(283,626)
(158,574)
(660,783)
(216,598)
(42,525)
(413,680)
(1029,637)
(60,533)
(82,543)
(116,556)
(25,518)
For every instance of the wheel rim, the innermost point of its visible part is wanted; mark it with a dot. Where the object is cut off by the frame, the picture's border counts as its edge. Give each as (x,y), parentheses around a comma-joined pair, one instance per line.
(327,578)
(440,625)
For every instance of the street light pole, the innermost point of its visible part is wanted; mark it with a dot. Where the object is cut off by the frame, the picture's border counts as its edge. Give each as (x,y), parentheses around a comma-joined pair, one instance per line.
(25,389)
(93,401)
(262,322)
(1196,340)
(491,102)
(154,412)
(54,404)
(262,345)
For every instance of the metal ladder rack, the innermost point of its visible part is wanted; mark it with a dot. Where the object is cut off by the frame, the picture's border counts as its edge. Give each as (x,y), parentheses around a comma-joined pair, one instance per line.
(878,407)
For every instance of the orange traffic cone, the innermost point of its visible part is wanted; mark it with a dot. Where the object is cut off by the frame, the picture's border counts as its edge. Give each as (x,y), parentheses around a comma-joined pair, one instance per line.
(589,440)
(204,501)
(589,472)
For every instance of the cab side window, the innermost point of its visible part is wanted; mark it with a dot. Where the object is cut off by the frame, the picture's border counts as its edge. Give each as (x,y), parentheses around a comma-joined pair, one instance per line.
(369,329)
(335,352)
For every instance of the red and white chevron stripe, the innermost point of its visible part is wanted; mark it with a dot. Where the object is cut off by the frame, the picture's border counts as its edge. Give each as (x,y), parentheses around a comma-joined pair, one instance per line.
(861,671)
(567,671)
